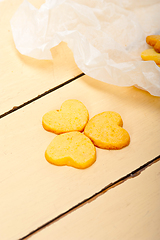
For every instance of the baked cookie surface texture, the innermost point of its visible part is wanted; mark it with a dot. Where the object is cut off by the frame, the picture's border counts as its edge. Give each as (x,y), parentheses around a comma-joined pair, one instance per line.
(72,116)
(71,149)
(154,41)
(151,55)
(105,130)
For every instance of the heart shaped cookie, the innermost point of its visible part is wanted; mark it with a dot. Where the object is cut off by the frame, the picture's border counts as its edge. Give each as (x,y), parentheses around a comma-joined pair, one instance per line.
(72,116)
(71,149)
(105,130)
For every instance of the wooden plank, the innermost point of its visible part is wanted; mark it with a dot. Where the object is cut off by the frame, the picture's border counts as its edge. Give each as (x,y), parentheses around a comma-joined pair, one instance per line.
(23,78)
(129,211)
(33,191)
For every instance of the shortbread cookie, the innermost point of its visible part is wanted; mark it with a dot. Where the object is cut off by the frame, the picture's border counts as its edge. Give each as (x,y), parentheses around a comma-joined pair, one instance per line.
(71,149)
(154,41)
(157,47)
(105,130)
(151,54)
(72,116)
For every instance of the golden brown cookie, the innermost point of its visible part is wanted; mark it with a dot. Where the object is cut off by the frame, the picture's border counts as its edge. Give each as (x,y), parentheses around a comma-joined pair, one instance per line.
(154,41)
(71,149)
(72,116)
(105,130)
(157,47)
(151,54)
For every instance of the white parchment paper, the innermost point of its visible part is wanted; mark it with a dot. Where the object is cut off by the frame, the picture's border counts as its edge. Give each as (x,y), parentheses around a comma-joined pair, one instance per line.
(106,37)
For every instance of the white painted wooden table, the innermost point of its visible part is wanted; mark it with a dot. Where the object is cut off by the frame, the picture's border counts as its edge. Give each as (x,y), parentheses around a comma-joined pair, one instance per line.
(42,201)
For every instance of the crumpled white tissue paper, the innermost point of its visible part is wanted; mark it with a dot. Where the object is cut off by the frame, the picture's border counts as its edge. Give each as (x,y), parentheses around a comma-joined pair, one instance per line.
(106,37)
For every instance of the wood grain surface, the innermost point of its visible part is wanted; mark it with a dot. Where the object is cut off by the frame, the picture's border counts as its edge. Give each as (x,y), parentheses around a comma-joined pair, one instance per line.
(34,191)
(22,77)
(130,211)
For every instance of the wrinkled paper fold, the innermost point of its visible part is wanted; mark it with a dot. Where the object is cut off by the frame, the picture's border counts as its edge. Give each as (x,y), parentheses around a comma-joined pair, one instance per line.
(106,37)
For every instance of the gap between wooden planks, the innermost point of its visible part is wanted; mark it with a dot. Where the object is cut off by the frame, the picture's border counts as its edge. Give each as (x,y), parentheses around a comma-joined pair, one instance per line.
(130,211)
(40,96)
(19,73)
(22,77)
(133,174)
(59,189)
